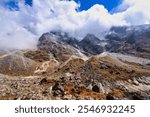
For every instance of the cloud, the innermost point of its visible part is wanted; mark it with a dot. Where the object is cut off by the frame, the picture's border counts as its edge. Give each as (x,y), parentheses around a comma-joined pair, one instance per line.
(21,29)
(137,12)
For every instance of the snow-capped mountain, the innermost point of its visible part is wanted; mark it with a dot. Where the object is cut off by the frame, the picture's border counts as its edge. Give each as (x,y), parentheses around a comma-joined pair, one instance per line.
(63,67)
(132,40)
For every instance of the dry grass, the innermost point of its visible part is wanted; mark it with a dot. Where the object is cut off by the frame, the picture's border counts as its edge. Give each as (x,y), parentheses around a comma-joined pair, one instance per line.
(37,55)
(83,93)
(117,93)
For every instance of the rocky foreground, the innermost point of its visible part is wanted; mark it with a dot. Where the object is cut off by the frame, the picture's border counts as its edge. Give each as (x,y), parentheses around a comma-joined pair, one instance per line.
(64,68)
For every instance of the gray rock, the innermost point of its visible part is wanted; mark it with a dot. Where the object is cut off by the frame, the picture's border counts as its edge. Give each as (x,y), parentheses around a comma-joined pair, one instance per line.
(95,88)
(58,90)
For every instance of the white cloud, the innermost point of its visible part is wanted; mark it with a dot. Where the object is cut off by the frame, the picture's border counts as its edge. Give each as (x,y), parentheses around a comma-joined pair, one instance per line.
(137,12)
(21,29)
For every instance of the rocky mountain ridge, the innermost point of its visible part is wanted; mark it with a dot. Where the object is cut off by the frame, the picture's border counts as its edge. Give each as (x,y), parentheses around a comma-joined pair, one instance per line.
(63,67)
(134,40)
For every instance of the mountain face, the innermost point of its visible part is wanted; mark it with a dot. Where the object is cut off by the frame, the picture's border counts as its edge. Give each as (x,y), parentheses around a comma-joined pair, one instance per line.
(133,40)
(91,44)
(57,43)
(15,63)
(63,67)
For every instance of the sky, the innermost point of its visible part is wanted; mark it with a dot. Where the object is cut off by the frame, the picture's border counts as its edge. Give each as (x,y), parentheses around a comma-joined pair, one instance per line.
(84,4)
(108,4)
(23,22)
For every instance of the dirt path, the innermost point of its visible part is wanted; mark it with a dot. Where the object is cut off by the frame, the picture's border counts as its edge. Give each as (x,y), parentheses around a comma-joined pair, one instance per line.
(9,53)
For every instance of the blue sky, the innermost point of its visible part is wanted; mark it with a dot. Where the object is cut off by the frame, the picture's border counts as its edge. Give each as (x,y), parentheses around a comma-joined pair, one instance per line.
(28,2)
(12,4)
(108,4)
(85,4)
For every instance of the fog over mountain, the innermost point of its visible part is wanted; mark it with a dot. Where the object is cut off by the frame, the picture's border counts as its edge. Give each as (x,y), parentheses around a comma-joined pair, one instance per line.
(21,28)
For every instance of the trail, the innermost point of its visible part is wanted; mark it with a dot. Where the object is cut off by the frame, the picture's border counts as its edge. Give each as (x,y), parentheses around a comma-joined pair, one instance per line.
(8,54)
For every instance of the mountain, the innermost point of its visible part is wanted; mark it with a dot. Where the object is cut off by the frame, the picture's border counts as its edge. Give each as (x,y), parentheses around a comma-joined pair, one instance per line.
(16,64)
(58,44)
(134,40)
(91,44)
(64,67)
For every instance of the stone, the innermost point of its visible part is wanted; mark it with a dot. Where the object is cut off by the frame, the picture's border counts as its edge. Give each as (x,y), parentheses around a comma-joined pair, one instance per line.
(101,88)
(58,90)
(135,82)
(95,88)
(68,97)
(89,87)
(103,67)
(43,81)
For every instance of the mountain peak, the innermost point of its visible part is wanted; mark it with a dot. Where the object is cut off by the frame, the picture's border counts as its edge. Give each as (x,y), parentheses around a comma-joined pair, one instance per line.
(91,38)
(63,67)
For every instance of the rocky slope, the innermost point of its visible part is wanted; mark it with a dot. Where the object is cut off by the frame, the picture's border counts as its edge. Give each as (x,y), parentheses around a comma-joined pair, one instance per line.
(15,63)
(65,68)
(134,40)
